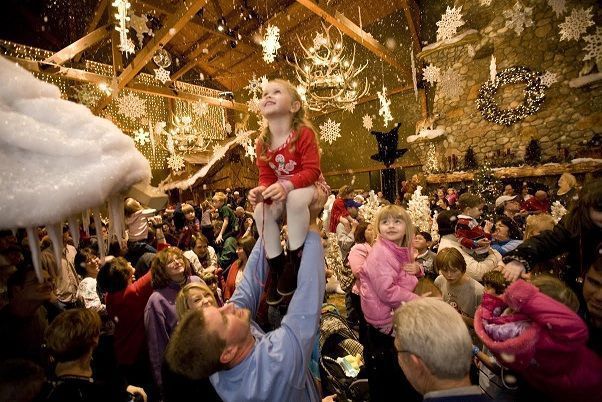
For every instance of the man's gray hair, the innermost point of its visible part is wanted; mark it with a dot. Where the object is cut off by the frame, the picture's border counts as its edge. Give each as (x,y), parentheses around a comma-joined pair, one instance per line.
(432,330)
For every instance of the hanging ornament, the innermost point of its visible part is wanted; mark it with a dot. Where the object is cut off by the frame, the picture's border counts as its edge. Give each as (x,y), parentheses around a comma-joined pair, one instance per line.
(256,85)
(125,44)
(558,6)
(270,43)
(518,18)
(451,84)
(200,108)
(141,136)
(330,131)
(414,78)
(250,149)
(576,24)
(492,69)
(253,105)
(162,75)
(228,128)
(138,24)
(131,106)
(162,58)
(431,74)
(594,47)
(367,122)
(350,107)
(175,162)
(449,24)
(384,110)
(548,79)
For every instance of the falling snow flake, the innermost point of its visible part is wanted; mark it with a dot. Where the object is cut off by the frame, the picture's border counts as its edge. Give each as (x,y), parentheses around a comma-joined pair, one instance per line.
(367,122)
(131,106)
(270,43)
(576,24)
(594,46)
(449,24)
(162,75)
(330,131)
(548,78)
(451,84)
(200,108)
(518,17)
(141,136)
(558,6)
(431,74)
(175,162)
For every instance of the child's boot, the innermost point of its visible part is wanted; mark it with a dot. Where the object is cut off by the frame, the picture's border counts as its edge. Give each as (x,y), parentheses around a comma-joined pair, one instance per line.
(287,282)
(276,266)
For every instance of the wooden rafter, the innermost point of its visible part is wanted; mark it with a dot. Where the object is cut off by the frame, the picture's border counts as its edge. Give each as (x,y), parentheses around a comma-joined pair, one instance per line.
(173,25)
(96,17)
(72,50)
(413,25)
(93,78)
(350,29)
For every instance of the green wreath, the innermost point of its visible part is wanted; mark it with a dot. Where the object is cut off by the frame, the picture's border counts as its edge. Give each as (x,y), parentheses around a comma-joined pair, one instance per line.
(534,95)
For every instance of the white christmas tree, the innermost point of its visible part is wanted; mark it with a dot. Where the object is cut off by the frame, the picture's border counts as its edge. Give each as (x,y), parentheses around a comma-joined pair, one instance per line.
(435,228)
(370,208)
(419,210)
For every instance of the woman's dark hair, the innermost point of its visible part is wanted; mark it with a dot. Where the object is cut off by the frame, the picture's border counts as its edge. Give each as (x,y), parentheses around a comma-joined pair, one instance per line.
(360,232)
(514,233)
(446,221)
(590,196)
(114,275)
(81,259)
(247,244)
(159,266)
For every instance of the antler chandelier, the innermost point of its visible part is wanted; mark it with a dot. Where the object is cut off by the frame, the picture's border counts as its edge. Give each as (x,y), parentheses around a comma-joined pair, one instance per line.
(327,78)
(182,137)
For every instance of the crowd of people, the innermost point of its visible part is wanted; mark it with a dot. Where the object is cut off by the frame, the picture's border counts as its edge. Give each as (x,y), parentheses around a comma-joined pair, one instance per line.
(222,299)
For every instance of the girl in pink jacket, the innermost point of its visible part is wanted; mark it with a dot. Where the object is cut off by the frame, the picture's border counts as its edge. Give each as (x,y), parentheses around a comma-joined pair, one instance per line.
(541,339)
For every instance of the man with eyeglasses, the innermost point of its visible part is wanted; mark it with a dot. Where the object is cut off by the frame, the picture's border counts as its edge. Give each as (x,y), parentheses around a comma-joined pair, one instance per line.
(434,350)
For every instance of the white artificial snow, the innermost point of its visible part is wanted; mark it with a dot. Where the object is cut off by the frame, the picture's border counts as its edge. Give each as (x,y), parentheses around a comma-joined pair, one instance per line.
(586,160)
(585,80)
(426,135)
(58,159)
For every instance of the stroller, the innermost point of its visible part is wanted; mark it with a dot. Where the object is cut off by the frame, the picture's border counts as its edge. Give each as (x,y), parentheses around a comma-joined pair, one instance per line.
(338,340)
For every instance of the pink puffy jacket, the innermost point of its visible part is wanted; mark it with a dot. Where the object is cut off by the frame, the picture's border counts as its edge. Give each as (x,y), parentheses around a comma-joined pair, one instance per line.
(356,258)
(542,340)
(384,284)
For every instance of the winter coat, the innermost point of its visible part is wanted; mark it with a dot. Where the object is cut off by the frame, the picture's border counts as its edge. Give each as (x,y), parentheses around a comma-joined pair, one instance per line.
(384,284)
(542,340)
(357,257)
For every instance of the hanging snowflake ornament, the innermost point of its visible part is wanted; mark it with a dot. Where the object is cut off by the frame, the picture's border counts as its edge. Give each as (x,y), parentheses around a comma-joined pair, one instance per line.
(451,84)
(548,78)
(131,106)
(449,24)
(350,107)
(175,162)
(431,74)
(228,128)
(576,24)
(162,58)
(594,47)
(558,6)
(367,122)
(270,43)
(384,110)
(518,18)
(87,95)
(414,74)
(141,136)
(138,24)
(162,75)
(250,149)
(255,86)
(200,108)
(121,17)
(330,131)
(253,105)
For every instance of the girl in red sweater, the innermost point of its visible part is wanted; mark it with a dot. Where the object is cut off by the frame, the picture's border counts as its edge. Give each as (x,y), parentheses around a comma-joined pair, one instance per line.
(289,176)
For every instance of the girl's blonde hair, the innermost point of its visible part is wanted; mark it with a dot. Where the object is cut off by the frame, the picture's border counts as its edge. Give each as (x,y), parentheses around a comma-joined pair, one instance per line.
(557,290)
(395,211)
(299,121)
(182,299)
(537,224)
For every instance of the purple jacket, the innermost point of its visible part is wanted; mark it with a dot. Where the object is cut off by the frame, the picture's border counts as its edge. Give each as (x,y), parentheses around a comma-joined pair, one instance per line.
(384,284)
(159,320)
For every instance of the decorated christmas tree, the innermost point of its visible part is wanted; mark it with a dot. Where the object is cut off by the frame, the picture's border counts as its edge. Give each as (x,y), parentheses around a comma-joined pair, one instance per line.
(370,207)
(484,186)
(533,153)
(470,159)
(420,211)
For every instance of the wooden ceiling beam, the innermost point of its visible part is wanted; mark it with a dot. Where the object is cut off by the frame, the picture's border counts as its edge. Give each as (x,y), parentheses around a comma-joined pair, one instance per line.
(96,17)
(77,47)
(93,78)
(172,26)
(362,37)
(413,25)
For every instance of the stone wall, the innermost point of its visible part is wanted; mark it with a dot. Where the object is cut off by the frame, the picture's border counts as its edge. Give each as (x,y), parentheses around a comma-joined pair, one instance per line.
(568,115)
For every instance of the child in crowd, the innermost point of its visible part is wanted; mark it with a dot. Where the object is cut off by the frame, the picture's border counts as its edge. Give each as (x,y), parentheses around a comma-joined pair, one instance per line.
(226,215)
(424,256)
(451,197)
(212,281)
(494,283)
(542,339)
(192,226)
(388,278)
(288,158)
(339,211)
(458,289)
(468,231)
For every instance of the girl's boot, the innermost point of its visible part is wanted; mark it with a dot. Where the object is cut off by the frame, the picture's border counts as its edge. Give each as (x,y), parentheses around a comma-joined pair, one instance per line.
(287,283)
(276,266)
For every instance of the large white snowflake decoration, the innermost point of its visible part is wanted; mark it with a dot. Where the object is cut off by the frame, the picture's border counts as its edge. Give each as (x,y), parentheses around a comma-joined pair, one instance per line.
(431,74)
(576,24)
(138,24)
(250,149)
(175,162)
(228,128)
(548,78)
(420,210)
(594,46)
(162,75)
(256,85)
(141,136)
(558,6)
(131,106)
(330,131)
(200,108)
(367,122)
(449,24)
(558,211)
(384,110)
(350,107)
(270,43)
(253,105)
(451,84)
(518,18)
(87,95)
(485,2)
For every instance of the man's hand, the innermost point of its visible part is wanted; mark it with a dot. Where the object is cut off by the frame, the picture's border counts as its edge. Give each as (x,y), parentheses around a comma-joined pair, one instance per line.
(513,270)
(412,268)
(275,192)
(136,391)
(255,195)
(483,243)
